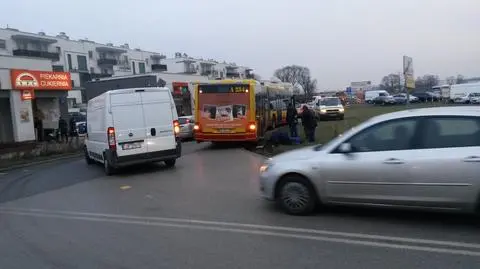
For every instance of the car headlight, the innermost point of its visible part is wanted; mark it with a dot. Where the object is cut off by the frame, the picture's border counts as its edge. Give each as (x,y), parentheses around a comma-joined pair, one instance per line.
(264,168)
(323,111)
(341,109)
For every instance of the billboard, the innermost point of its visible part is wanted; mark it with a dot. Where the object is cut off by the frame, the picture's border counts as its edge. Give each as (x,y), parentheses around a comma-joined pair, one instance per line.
(408,72)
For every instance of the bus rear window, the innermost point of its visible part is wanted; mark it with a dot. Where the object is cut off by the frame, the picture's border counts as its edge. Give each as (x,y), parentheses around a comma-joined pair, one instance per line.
(224,88)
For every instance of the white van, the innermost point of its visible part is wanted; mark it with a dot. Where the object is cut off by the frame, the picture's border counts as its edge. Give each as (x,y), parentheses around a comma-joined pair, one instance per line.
(371,95)
(131,126)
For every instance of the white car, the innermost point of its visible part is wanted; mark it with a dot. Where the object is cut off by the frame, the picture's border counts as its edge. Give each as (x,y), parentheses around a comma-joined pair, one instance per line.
(421,158)
(131,126)
(475,98)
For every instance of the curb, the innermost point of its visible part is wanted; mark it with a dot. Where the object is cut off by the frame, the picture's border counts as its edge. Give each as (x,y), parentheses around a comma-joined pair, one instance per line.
(28,164)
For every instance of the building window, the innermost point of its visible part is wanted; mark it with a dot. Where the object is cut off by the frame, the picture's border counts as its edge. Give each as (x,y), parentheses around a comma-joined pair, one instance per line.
(141,68)
(3,44)
(69,61)
(90,54)
(73,83)
(59,50)
(92,70)
(57,68)
(82,62)
(133,68)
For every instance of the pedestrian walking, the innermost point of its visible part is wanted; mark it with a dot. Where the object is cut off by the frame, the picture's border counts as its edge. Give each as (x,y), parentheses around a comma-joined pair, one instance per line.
(309,124)
(63,128)
(292,120)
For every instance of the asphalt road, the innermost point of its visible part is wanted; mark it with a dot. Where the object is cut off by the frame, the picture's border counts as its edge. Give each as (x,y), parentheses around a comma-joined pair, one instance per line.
(206,213)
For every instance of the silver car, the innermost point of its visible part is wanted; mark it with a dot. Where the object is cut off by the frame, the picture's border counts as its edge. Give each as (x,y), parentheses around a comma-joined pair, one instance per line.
(187,124)
(423,158)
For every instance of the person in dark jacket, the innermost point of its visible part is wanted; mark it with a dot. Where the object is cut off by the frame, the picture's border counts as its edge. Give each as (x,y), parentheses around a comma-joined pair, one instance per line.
(63,128)
(292,120)
(309,124)
(73,127)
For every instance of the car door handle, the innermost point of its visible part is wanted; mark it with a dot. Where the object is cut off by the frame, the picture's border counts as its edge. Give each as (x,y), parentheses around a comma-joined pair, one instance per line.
(153,132)
(393,161)
(472,159)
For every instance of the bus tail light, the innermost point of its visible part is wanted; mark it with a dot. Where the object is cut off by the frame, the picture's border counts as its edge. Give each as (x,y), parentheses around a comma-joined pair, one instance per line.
(112,143)
(252,127)
(176,127)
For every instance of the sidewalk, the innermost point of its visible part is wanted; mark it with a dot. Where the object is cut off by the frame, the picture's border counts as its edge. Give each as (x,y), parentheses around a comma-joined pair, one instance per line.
(7,165)
(39,153)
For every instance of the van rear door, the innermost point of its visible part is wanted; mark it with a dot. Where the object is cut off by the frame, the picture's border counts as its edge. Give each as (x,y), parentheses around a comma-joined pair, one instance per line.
(128,120)
(158,108)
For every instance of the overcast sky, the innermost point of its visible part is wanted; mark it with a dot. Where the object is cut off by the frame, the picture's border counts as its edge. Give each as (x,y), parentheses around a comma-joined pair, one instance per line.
(339,40)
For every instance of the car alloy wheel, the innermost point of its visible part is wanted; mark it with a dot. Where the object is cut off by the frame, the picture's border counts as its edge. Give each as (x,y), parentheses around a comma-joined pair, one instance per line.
(297,198)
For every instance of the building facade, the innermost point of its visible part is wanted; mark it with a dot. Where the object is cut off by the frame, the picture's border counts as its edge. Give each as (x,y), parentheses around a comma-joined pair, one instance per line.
(87,60)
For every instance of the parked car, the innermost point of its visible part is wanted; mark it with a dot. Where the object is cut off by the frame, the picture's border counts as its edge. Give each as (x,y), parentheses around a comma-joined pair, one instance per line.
(426,97)
(187,124)
(132,126)
(412,98)
(475,98)
(467,98)
(384,99)
(422,158)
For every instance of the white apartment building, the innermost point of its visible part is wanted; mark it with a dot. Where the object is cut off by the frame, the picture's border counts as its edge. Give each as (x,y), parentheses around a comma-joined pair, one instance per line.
(182,63)
(86,59)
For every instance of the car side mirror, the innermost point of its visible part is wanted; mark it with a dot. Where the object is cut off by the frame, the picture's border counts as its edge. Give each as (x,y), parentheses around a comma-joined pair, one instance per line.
(345,148)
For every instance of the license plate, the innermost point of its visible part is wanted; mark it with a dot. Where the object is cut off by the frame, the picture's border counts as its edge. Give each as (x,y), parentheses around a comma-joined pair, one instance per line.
(224,131)
(131,146)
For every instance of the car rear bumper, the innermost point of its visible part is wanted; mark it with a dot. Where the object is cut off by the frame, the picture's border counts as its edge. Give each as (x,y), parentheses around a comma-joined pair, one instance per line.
(157,156)
(211,137)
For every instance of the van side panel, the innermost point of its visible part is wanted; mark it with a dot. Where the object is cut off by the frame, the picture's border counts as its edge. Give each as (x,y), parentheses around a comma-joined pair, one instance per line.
(159,114)
(128,121)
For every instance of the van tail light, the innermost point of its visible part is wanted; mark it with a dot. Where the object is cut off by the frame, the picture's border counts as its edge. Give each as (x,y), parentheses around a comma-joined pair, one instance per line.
(176,127)
(252,126)
(112,143)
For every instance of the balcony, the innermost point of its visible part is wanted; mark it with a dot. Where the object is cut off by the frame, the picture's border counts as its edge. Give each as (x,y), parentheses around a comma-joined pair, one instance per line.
(54,56)
(232,75)
(159,67)
(206,73)
(107,61)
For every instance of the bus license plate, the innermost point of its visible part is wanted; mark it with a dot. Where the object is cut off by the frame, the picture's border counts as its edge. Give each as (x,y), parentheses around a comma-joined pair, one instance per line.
(224,131)
(128,146)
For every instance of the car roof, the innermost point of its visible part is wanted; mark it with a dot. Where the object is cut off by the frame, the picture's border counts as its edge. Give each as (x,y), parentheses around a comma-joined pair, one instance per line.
(431,111)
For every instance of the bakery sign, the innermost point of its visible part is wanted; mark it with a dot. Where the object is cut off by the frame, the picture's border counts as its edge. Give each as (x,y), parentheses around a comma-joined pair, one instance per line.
(40,80)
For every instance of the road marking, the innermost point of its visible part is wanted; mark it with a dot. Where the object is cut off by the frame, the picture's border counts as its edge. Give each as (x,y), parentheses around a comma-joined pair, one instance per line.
(447,247)
(125,187)
(3,174)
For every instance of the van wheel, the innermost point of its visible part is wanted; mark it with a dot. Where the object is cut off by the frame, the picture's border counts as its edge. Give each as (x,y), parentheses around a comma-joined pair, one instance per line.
(88,160)
(107,167)
(170,163)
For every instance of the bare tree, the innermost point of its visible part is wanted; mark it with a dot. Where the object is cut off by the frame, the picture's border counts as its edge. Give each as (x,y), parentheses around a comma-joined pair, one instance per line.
(297,75)
(461,79)
(451,80)
(426,82)
(391,83)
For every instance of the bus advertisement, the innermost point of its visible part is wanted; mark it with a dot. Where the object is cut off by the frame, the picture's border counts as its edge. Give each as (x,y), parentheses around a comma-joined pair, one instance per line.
(234,110)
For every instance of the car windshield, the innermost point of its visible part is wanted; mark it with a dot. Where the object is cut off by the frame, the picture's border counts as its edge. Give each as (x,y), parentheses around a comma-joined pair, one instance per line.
(330,102)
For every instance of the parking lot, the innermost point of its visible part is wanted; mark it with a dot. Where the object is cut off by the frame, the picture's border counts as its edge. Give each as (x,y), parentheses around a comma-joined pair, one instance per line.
(206,213)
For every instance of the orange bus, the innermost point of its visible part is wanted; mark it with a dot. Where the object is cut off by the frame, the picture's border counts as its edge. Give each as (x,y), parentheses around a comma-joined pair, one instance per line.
(237,110)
